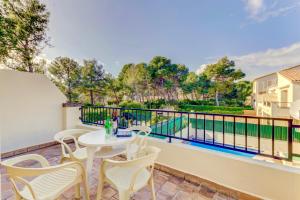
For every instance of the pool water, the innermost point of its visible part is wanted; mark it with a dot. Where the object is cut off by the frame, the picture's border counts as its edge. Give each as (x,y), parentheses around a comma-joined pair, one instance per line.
(219,149)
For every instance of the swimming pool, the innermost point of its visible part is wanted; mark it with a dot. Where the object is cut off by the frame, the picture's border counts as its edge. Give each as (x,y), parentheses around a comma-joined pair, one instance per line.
(220,149)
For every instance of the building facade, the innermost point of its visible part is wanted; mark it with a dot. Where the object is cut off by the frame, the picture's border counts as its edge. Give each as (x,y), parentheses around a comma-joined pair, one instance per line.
(275,93)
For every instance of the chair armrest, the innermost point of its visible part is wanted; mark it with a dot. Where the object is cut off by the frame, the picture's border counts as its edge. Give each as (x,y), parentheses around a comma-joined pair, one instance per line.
(40,159)
(109,162)
(21,171)
(112,163)
(125,163)
(66,147)
(24,182)
(71,137)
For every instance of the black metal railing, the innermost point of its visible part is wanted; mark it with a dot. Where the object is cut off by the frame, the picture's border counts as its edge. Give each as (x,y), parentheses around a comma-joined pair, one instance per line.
(272,137)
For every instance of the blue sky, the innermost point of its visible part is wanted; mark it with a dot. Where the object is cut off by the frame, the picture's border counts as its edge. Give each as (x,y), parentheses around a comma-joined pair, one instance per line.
(262,36)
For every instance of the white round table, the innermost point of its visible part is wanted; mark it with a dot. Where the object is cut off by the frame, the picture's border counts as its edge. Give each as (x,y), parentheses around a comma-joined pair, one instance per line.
(95,140)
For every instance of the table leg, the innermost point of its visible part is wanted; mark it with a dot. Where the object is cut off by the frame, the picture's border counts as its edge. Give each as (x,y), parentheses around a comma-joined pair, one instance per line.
(90,158)
(100,181)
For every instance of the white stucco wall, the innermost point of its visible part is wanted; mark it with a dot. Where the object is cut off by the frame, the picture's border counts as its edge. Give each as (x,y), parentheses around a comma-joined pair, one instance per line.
(30,109)
(295,106)
(71,117)
(285,84)
(296,92)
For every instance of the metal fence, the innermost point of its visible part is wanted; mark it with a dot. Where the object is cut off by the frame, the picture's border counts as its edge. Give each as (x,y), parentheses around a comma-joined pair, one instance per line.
(272,137)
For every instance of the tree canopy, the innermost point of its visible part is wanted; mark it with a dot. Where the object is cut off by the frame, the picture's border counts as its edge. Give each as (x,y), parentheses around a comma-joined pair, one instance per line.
(222,74)
(158,79)
(23,26)
(166,77)
(93,78)
(65,73)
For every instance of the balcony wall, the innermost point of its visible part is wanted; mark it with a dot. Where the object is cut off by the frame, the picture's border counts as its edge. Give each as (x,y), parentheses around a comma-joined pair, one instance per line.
(258,178)
(30,110)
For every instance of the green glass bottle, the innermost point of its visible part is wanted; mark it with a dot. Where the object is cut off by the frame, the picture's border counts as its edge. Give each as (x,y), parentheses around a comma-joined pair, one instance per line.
(108,126)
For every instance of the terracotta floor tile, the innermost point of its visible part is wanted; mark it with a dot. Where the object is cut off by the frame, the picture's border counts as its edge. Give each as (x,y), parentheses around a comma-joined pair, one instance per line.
(161,195)
(189,187)
(207,190)
(144,194)
(169,188)
(182,196)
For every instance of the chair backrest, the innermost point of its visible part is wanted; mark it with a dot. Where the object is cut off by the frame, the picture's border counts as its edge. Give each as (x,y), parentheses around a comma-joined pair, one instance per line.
(139,142)
(72,134)
(141,129)
(12,162)
(145,158)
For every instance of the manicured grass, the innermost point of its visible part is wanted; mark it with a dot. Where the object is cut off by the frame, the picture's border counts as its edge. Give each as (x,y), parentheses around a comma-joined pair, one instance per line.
(214,109)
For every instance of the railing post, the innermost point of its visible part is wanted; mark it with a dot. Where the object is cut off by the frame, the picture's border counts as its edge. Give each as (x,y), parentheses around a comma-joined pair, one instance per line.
(258,136)
(213,129)
(273,138)
(290,139)
(234,132)
(81,113)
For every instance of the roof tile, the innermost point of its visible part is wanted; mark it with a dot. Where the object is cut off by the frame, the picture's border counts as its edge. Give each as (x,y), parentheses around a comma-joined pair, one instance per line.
(292,73)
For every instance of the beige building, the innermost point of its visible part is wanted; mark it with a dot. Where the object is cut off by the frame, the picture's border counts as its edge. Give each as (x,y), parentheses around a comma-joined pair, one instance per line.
(275,94)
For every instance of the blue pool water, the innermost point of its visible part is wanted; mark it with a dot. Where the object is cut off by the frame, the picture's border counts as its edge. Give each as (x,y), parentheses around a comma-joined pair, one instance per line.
(215,148)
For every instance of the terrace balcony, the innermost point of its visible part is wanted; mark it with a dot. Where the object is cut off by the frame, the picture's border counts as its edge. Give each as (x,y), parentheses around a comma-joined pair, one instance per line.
(169,184)
(204,156)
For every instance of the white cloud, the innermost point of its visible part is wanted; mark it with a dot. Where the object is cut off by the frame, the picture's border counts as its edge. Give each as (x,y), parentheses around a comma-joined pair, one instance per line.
(201,69)
(261,10)
(264,62)
(254,7)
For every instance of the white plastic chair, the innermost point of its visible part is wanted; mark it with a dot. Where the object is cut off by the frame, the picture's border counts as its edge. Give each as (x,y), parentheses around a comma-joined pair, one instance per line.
(80,153)
(139,143)
(131,175)
(46,182)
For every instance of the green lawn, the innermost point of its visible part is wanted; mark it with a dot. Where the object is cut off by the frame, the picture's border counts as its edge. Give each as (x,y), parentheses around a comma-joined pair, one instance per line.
(214,109)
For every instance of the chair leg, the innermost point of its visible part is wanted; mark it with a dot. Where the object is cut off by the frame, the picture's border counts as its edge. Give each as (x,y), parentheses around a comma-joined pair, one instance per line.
(124,195)
(86,188)
(99,189)
(77,191)
(152,188)
(62,160)
(18,197)
(100,182)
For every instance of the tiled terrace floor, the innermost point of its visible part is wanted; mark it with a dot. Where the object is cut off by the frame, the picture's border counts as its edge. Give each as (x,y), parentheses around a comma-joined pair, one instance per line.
(168,187)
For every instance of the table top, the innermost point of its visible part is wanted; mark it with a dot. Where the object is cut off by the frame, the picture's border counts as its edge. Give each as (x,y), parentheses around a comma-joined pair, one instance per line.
(97,139)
